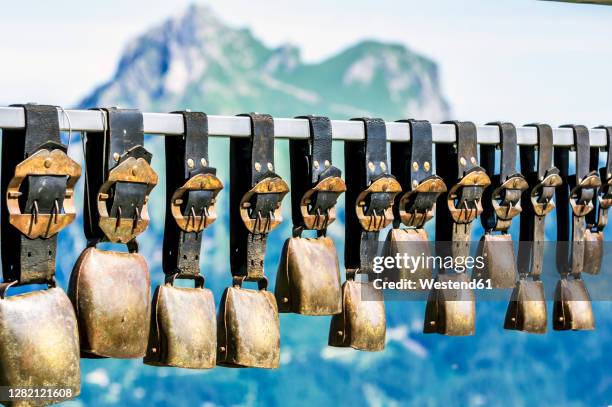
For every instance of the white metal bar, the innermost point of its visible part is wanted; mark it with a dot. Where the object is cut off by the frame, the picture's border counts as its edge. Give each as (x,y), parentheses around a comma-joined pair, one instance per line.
(234,126)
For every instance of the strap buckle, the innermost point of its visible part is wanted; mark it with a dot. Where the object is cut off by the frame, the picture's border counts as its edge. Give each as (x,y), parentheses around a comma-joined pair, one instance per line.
(318,205)
(605,195)
(506,200)
(131,171)
(543,192)
(464,198)
(374,205)
(45,164)
(260,207)
(417,206)
(195,216)
(581,196)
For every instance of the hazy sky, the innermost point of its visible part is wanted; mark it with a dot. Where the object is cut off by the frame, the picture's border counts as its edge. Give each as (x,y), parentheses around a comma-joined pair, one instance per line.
(518,60)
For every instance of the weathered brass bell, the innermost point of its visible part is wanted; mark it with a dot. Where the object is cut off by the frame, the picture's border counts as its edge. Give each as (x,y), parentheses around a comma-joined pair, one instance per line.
(308,278)
(593,251)
(39,342)
(572,308)
(183,328)
(527,308)
(499,261)
(450,311)
(248,329)
(362,323)
(110,292)
(415,244)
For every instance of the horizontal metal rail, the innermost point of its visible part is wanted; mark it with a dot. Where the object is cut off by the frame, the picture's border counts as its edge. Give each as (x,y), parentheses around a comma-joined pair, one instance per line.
(233,126)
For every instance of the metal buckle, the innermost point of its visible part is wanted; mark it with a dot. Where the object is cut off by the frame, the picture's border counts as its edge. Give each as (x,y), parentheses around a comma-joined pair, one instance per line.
(469,207)
(373,217)
(417,206)
(543,192)
(311,211)
(506,200)
(251,215)
(196,222)
(43,163)
(119,229)
(581,196)
(605,195)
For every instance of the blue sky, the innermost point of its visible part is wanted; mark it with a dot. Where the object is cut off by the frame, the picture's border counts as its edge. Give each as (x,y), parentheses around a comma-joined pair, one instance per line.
(518,60)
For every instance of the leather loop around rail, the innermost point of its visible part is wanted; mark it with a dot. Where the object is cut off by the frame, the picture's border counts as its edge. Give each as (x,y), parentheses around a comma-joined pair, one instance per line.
(371,191)
(502,201)
(119,178)
(191,192)
(466,182)
(412,165)
(315,183)
(537,202)
(38,180)
(598,219)
(574,197)
(256,194)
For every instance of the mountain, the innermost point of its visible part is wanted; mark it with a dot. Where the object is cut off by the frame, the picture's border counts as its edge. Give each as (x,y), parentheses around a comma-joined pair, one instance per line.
(194,60)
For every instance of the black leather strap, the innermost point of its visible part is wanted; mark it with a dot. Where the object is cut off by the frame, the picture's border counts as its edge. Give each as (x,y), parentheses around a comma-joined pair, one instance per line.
(31,260)
(490,221)
(532,225)
(418,150)
(365,161)
(122,138)
(464,153)
(598,218)
(248,249)
(186,157)
(412,163)
(574,264)
(311,163)
(606,171)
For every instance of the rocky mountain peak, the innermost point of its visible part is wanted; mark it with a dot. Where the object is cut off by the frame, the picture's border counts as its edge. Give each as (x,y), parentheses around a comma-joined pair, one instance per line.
(195,60)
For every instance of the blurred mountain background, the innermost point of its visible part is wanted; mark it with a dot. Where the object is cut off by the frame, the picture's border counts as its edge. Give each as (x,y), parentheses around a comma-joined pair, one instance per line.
(196,61)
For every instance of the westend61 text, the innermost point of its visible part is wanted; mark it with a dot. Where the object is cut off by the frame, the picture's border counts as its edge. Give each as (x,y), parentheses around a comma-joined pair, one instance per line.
(429,284)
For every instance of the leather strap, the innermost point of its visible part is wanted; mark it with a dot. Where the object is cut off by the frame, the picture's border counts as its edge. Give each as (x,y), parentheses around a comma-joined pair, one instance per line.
(311,163)
(532,225)
(248,249)
(186,157)
(122,138)
(365,162)
(411,164)
(575,263)
(28,260)
(598,219)
(464,153)
(509,196)
(418,150)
